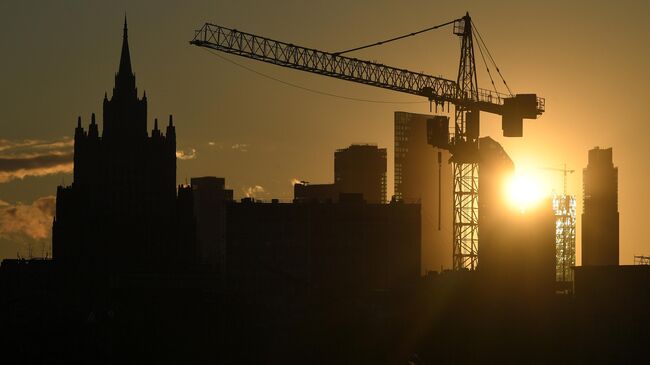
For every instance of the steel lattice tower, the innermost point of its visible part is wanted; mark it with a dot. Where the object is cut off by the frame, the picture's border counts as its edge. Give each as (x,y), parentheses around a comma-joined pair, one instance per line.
(465,156)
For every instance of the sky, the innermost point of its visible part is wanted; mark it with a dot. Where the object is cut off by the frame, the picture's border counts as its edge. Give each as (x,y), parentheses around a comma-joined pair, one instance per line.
(587,58)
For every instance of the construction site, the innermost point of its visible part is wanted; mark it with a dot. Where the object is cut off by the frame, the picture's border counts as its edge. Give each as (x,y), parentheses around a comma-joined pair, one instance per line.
(444,270)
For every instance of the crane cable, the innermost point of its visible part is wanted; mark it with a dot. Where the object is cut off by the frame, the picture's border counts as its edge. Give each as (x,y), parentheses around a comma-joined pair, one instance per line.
(491,58)
(396,38)
(308,89)
(480,49)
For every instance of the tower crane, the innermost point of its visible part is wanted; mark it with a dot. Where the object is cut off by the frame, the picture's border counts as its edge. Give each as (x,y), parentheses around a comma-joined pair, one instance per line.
(463,93)
(564,171)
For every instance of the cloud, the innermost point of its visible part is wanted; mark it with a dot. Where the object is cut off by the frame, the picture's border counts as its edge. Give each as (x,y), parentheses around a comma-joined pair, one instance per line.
(241,147)
(19,159)
(215,145)
(31,221)
(181,155)
(254,191)
(27,146)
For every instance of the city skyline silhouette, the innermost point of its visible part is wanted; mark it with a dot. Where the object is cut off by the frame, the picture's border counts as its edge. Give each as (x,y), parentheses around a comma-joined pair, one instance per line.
(238,148)
(211,208)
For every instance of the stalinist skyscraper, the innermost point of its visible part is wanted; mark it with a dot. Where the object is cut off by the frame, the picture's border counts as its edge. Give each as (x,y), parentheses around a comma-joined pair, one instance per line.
(122,212)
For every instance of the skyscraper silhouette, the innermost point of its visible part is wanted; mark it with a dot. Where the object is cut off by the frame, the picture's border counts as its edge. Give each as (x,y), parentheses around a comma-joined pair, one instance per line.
(121,211)
(600,214)
(361,169)
(423,174)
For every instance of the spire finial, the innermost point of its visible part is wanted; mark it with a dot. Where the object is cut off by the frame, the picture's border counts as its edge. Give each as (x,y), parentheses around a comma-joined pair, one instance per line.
(155,124)
(171,121)
(92,119)
(125,57)
(79,121)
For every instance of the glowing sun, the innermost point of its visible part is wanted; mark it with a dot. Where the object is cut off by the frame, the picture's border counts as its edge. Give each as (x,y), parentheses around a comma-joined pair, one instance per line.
(523,191)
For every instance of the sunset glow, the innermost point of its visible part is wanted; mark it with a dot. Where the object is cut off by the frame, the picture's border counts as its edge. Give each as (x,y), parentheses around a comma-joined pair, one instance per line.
(523,190)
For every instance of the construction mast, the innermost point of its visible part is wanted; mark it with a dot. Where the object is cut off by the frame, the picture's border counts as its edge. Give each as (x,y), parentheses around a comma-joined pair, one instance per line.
(464,94)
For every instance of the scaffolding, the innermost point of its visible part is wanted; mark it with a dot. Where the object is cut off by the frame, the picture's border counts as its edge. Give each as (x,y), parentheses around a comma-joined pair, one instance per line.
(564,207)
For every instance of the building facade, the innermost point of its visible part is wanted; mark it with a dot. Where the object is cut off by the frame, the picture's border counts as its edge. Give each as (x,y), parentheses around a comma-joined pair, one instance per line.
(423,174)
(564,207)
(361,169)
(600,219)
(333,247)
(210,199)
(516,251)
(122,211)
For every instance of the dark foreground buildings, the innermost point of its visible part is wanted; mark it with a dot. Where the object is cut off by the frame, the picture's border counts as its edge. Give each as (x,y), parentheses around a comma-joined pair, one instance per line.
(600,227)
(210,199)
(349,246)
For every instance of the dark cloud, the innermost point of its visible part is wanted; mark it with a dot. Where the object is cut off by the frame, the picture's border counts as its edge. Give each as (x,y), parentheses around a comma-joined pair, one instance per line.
(19,159)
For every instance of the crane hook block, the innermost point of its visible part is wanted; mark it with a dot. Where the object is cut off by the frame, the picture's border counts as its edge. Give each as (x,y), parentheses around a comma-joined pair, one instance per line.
(438,131)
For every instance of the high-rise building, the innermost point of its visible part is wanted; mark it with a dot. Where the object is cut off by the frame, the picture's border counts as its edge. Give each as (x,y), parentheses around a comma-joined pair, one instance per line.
(564,207)
(495,167)
(121,212)
(361,169)
(358,169)
(600,218)
(423,174)
(516,251)
(210,198)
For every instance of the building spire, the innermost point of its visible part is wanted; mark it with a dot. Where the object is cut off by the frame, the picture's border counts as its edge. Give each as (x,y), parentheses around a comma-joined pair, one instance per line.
(125,58)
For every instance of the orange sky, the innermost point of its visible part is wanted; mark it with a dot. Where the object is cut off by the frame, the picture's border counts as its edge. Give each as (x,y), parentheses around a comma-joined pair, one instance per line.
(588,59)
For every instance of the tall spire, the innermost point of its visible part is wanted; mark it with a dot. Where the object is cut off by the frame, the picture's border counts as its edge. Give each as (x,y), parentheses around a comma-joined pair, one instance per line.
(125,58)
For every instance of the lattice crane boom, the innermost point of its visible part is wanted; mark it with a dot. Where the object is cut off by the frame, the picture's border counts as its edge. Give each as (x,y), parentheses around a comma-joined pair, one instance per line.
(284,54)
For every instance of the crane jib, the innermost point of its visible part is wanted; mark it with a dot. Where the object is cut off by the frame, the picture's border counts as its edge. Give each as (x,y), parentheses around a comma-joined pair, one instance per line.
(436,89)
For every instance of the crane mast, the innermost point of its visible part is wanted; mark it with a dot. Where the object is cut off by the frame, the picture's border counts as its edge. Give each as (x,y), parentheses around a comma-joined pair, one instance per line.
(464,149)
(464,94)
